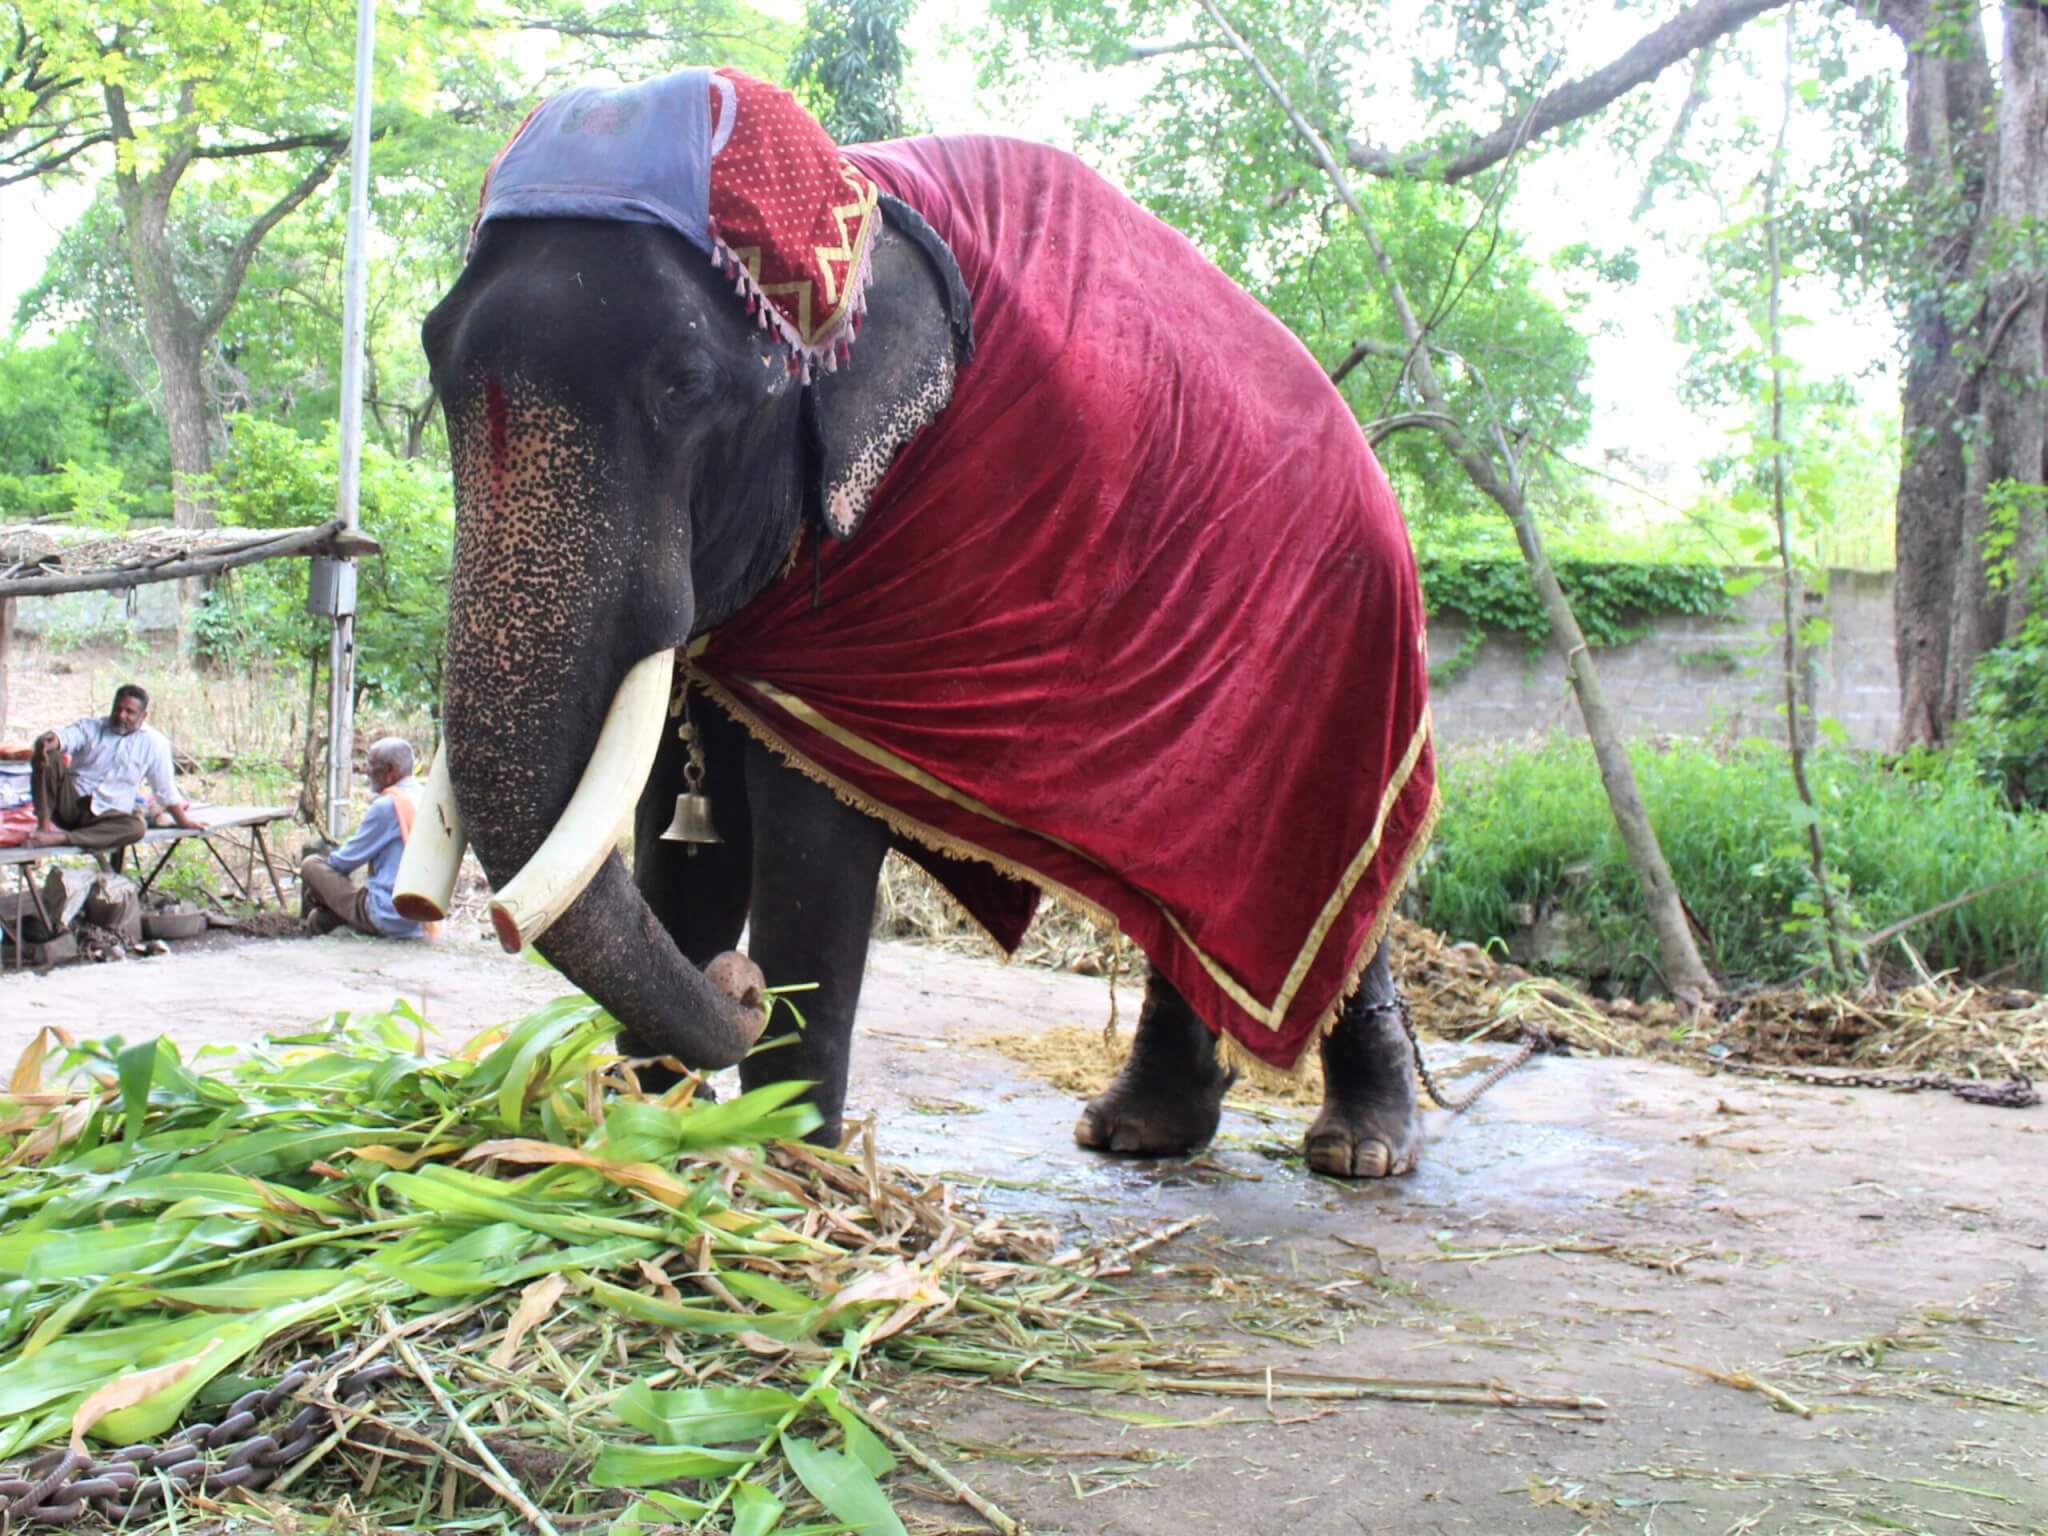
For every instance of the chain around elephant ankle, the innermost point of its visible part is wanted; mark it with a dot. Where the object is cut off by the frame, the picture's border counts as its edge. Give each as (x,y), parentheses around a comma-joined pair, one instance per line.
(1534,1039)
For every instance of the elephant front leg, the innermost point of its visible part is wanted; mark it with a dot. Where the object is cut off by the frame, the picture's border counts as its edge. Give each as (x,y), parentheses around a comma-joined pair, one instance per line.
(1169,1095)
(816,861)
(1370,1127)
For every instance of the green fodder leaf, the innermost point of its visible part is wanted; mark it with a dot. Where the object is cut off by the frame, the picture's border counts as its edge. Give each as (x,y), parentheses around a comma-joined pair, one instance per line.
(121,1248)
(755,1511)
(475,1200)
(288,1149)
(703,1415)
(656,1514)
(752,1117)
(136,1068)
(508,1072)
(642,1466)
(862,1443)
(247,1293)
(845,1487)
(670,1314)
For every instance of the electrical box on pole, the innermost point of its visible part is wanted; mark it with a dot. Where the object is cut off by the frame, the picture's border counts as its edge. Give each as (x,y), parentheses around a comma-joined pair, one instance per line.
(331,587)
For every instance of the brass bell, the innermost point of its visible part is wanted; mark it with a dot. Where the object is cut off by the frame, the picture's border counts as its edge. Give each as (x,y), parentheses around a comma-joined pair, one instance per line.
(692,822)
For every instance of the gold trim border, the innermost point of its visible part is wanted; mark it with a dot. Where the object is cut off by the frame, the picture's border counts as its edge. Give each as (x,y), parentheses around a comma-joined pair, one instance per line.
(1272,1015)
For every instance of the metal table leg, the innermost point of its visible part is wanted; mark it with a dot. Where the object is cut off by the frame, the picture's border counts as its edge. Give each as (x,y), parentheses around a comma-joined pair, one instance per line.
(275,885)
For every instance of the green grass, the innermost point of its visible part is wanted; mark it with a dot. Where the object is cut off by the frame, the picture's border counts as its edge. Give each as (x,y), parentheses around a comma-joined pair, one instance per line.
(1515,823)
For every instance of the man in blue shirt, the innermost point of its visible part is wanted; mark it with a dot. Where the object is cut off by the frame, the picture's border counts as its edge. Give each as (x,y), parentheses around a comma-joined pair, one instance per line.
(329,899)
(95,798)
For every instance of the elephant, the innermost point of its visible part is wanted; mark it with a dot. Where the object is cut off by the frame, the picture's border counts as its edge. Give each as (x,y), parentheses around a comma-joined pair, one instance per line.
(1019,540)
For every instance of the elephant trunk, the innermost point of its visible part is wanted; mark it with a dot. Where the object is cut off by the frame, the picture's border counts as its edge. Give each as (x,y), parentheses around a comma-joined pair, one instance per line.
(562,885)
(552,720)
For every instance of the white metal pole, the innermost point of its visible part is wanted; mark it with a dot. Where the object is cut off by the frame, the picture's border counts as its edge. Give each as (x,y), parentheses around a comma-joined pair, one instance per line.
(342,650)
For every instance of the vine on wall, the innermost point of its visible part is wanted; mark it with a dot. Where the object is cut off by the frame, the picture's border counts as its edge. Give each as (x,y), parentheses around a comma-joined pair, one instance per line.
(1612,598)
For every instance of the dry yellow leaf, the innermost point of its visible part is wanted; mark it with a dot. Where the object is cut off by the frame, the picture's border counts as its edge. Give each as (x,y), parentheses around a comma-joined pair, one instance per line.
(645,1177)
(28,1071)
(535,1303)
(404,1162)
(126,1392)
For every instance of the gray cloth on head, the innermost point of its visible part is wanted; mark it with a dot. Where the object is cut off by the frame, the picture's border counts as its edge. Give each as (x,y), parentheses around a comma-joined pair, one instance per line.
(640,153)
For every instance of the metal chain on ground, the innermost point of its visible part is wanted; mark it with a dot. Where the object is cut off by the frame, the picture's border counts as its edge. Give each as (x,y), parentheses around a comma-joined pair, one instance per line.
(2014,1093)
(1535,1039)
(60,1486)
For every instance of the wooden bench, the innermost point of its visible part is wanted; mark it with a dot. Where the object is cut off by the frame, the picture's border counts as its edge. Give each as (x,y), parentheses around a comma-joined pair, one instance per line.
(213,821)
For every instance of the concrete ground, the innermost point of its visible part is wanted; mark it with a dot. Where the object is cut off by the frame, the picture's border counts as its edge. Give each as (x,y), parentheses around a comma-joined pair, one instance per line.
(1862,1274)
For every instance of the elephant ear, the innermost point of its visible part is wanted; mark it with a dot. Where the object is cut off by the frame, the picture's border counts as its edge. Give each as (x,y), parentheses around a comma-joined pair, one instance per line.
(918,333)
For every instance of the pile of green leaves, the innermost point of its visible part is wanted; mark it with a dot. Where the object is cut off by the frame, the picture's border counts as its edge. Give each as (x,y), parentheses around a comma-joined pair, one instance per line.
(204,1227)
(1530,827)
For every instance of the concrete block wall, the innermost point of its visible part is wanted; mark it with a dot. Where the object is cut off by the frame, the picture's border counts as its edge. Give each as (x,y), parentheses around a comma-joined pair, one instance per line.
(1687,676)
(151,609)
(1692,676)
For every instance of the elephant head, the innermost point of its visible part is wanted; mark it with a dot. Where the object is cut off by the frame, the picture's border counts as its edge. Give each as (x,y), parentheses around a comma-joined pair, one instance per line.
(634,459)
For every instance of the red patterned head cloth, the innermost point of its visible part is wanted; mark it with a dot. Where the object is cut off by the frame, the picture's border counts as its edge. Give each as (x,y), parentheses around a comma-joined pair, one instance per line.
(732,164)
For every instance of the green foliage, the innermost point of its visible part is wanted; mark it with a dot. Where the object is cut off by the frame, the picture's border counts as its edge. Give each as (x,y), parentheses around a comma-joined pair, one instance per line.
(1610,597)
(2007,505)
(848,68)
(75,441)
(2006,731)
(1206,149)
(277,479)
(1899,842)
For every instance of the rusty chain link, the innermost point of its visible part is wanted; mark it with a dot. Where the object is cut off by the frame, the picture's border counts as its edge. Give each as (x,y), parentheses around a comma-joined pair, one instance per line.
(2016,1092)
(1535,1039)
(59,1486)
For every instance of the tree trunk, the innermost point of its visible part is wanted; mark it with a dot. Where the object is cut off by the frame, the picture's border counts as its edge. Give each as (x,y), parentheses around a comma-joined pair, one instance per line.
(2002,507)
(178,329)
(1972,422)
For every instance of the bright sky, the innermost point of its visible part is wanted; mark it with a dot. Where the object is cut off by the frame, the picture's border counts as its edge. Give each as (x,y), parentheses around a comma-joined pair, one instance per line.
(1577,194)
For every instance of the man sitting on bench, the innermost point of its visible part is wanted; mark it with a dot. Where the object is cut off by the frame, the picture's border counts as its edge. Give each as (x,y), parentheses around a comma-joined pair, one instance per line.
(328,899)
(90,802)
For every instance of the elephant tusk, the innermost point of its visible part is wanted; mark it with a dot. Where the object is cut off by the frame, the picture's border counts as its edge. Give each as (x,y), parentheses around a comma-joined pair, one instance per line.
(590,825)
(425,886)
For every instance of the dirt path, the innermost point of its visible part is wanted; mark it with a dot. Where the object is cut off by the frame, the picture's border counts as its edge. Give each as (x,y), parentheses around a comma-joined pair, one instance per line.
(1594,1229)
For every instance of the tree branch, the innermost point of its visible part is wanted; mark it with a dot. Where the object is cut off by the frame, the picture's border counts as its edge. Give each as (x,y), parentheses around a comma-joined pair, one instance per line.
(1137,53)
(245,248)
(274,146)
(1651,55)
(1695,98)
(1377,432)
(1360,351)
(56,160)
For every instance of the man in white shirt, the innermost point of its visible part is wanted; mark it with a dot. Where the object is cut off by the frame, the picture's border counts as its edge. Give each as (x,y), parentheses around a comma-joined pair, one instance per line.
(92,800)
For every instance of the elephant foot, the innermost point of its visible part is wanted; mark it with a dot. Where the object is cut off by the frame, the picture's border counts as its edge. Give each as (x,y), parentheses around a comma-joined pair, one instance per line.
(1136,1121)
(1370,1127)
(1366,1142)
(1168,1097)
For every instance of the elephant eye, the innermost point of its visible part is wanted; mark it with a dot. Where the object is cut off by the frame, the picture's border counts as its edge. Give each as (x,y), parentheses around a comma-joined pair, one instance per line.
(685,386)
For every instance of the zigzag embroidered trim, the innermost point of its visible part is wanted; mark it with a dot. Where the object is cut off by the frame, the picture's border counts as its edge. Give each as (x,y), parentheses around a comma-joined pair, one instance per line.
(805,358)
